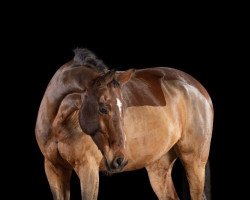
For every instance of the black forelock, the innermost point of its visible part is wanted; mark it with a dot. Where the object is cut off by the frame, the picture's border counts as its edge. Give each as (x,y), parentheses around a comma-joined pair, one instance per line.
(115,83)
(86,57)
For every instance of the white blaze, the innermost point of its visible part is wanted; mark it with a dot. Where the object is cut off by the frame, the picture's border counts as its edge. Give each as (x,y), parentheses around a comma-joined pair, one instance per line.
(125,139)
(119,104)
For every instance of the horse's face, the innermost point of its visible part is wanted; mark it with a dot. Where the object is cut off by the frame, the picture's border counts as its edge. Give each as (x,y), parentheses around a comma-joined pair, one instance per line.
(101,117)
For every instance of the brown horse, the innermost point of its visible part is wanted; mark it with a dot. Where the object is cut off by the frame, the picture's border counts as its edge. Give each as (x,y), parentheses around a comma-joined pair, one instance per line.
(92,119)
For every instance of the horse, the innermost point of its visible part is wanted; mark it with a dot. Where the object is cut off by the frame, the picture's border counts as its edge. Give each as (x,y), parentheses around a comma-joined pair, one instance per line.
(95,119)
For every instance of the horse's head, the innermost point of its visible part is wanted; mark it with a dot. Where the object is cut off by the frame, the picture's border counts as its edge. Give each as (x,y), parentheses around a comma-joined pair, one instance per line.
(101,117)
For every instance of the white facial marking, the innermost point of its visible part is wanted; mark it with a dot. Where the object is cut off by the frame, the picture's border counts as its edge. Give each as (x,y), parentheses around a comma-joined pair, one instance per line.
(119,104)
(125,138)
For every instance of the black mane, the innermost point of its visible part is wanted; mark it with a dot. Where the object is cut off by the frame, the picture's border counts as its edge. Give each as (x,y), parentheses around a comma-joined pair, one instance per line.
(88,58)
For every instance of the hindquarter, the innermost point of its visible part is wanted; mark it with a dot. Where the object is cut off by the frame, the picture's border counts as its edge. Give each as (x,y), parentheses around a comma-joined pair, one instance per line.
(196,136)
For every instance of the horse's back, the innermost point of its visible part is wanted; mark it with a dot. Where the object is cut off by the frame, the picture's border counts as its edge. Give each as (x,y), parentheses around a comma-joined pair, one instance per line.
(148,82)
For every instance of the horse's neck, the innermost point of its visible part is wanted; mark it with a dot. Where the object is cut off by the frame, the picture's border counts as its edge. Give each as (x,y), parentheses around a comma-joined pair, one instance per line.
(66,80)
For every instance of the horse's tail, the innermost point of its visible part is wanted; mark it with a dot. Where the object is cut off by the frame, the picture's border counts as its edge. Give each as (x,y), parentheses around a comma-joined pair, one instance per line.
(207,190)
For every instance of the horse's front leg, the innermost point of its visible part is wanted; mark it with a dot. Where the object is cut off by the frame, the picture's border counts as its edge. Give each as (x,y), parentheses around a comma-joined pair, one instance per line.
(88,174)
(59,180)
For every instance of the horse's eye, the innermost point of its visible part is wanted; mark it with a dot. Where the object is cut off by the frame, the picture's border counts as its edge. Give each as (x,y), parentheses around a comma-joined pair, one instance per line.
(103,110)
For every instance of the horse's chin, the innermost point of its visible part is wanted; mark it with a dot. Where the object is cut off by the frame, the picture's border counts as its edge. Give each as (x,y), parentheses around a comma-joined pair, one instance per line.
(110,172)
(107,173)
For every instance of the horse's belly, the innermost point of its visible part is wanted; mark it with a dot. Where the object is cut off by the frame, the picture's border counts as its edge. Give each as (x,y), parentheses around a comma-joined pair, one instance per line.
(151,131)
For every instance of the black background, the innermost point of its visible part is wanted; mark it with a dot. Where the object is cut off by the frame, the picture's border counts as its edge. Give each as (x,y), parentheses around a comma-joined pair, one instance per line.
(202,46)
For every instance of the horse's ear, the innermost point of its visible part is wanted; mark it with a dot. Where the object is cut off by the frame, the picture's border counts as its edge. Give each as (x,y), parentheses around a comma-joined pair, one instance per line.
(124,77)
(105,79)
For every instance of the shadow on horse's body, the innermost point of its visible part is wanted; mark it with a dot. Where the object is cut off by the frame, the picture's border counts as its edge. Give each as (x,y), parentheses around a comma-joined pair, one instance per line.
(167,115)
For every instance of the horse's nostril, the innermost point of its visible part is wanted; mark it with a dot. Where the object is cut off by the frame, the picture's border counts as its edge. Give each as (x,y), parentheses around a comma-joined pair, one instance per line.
(118,162)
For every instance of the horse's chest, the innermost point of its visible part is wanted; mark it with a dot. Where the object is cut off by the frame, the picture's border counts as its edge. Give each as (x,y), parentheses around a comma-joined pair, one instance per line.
(74,146)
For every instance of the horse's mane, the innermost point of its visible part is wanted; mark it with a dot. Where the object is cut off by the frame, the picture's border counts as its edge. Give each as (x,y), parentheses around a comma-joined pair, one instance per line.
(86,57)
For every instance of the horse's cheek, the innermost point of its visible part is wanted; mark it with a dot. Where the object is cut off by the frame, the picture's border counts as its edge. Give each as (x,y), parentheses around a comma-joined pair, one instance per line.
(88,118)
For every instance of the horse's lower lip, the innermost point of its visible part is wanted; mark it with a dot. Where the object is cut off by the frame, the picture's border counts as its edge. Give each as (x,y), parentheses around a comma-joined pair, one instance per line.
(113,171)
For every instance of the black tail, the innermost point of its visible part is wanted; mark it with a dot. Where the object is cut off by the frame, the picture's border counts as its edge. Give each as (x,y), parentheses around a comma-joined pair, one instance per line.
(207,189)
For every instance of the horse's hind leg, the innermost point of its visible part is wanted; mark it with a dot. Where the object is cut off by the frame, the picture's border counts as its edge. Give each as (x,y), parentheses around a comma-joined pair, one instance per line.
(160,177)
(195,171)
(194,160)
(59,180)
